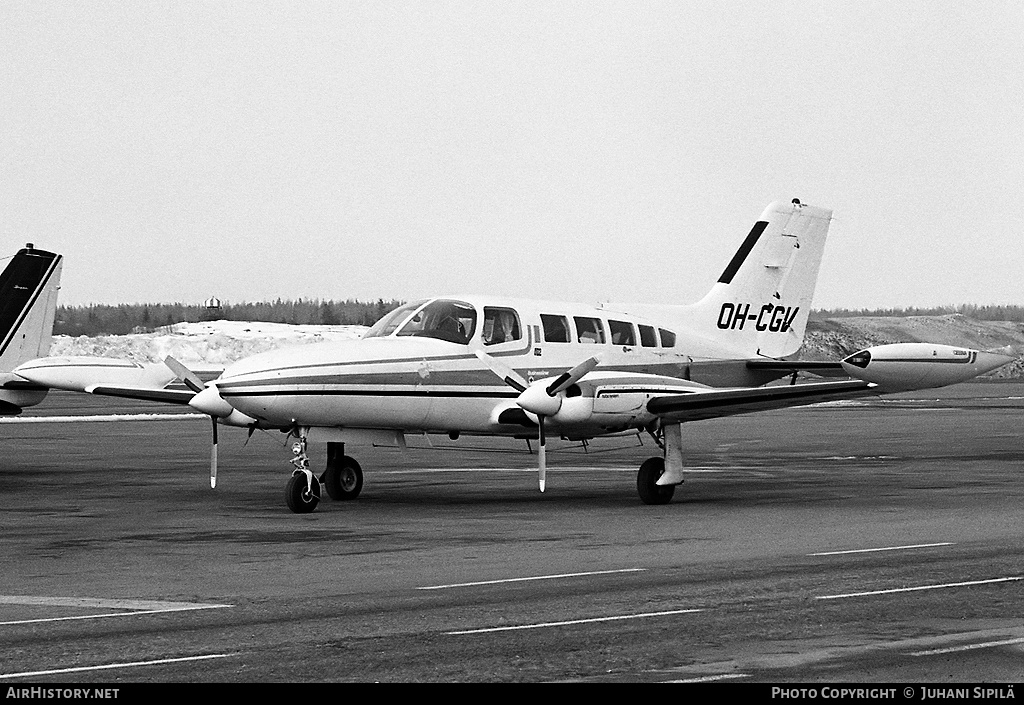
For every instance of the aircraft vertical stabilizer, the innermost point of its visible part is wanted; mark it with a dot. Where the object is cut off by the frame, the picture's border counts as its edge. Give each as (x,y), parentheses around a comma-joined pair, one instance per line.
(761,303)
(28,303)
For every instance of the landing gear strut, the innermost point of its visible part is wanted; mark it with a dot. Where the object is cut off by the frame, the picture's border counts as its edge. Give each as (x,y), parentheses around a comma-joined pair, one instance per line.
(302,493)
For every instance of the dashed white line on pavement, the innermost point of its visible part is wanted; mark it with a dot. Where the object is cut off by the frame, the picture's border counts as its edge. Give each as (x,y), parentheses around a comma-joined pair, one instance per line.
(710,679)
(535,577)
(886,548)
(568,622)
(969,647)
(919,587)
(130,607)
(109,666)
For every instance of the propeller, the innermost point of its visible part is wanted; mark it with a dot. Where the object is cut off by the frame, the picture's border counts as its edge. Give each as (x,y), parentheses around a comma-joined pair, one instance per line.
(540,399)
(208,401)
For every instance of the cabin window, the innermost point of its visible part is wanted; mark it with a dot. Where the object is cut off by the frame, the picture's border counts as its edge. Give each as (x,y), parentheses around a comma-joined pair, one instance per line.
(501,325)
(453,321)
(668,338)
(390,321)
(589,330)
(556,328)
(621,332)
(648,338)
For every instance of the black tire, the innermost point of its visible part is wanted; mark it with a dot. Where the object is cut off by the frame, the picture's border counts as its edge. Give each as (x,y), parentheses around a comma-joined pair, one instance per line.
(297,498)
(651,493)
(343,480)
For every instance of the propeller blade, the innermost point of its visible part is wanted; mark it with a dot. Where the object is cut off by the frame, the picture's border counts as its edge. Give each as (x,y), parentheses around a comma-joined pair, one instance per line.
(213,456)
(186,375)
(542,466)
(567,379)
(507,374)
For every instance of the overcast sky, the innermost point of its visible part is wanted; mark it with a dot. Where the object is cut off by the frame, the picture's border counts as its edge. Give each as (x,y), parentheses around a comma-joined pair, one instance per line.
(590,151)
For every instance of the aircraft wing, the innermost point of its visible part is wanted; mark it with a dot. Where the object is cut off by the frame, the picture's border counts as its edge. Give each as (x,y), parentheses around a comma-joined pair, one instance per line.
(816,367)
(716,403)
(106,377)
(169,396)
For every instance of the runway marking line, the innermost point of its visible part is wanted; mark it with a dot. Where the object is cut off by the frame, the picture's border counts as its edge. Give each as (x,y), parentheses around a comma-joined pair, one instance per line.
(886,548)
(920,587)
(711,679)
(968,647)
(109,666)
(131,607)
(569,622)
(536,577)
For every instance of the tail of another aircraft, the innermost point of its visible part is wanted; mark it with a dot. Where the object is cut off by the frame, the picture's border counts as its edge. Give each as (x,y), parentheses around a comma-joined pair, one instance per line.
(28,303)
(760,304)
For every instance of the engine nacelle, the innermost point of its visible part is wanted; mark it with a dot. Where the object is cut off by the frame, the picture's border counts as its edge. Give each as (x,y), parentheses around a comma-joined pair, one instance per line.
(908,366)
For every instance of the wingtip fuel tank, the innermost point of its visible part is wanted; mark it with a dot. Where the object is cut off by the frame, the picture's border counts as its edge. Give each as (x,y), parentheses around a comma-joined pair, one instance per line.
(909,366)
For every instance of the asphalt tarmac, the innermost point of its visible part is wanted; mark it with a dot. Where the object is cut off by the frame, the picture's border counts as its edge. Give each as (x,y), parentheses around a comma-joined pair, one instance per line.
(875,541)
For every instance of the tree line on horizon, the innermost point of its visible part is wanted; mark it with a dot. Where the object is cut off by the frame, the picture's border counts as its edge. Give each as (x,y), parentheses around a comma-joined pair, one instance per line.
(121,319)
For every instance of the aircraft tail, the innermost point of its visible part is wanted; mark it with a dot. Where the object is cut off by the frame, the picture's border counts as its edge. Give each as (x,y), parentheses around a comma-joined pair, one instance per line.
(28,304)
(761,303)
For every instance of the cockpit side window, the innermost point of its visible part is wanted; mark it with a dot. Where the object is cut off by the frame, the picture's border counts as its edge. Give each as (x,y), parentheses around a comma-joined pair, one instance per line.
(453,321)
(589,330)
(648,338)
(668,338)
(501,325)
(390,322)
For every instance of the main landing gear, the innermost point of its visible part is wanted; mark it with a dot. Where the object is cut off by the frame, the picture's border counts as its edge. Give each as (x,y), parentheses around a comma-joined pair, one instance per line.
(669,438)
(646,479)
(343,478)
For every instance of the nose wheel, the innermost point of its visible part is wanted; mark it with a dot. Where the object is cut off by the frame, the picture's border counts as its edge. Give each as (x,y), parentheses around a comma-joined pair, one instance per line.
(302,494)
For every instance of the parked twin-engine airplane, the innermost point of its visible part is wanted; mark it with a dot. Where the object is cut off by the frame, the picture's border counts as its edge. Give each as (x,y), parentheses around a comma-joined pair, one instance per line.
(28,302)
(512,367)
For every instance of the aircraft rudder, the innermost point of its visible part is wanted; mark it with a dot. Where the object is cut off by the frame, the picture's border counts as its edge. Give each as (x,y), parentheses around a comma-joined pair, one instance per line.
(760,304)
(28,304)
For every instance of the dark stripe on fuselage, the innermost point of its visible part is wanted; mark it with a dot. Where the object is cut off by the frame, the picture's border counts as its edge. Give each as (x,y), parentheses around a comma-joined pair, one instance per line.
(719,373)
(741,254)
(931,360)
(398,360)
(421,393)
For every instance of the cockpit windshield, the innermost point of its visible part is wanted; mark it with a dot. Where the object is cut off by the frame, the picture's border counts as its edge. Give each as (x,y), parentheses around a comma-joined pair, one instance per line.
(453,321)
(390,322)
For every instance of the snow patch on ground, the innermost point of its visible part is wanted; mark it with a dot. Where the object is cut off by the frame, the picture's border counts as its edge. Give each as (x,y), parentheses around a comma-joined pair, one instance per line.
(213,343)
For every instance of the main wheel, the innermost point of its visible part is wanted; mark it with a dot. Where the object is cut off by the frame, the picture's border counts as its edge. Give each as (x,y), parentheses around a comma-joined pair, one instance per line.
(343,480)
(298,497)
(646,479)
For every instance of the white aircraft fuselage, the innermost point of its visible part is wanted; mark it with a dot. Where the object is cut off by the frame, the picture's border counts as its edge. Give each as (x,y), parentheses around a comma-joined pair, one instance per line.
(410,379)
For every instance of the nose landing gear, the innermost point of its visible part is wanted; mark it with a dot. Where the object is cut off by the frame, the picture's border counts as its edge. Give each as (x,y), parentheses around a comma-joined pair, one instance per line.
(343,478)
(302,493)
